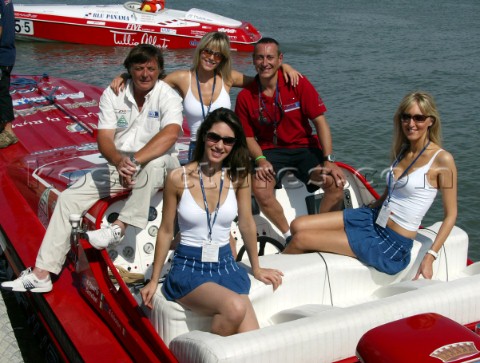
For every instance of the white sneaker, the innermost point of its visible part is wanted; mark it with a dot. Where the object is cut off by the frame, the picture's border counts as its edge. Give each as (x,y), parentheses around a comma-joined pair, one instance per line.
(27,281)
(104,237)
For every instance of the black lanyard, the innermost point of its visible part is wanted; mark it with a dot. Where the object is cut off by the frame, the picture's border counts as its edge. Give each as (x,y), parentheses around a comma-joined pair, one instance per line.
(200,93)
(209,217)
(395,163)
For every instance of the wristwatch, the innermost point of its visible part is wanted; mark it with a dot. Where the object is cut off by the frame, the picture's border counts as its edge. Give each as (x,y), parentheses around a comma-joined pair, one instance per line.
(330,158)
(133,160)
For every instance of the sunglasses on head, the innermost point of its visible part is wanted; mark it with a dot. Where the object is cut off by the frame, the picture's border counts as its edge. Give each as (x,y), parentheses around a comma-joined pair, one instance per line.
(216,55)
(406,117)
(214,137)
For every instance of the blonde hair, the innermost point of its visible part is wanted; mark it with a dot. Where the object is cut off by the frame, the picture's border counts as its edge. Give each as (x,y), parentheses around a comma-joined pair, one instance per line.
(220,41)
(426,104)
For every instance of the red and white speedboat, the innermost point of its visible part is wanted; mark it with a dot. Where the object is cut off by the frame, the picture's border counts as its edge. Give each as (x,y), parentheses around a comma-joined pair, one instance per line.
(127,25)
(320,313)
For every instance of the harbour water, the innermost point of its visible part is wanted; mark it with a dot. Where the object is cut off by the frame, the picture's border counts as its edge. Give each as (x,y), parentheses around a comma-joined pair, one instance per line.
(362,56)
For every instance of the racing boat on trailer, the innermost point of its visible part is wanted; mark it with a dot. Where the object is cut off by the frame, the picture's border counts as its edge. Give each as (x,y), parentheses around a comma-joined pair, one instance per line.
(330,308)
(127,25)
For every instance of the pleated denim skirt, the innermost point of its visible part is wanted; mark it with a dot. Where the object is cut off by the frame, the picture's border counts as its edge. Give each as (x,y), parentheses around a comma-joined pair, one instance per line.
(188,272)
(381,248)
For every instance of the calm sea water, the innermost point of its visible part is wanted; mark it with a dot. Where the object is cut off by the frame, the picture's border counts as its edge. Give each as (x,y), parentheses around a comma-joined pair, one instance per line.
(362,56)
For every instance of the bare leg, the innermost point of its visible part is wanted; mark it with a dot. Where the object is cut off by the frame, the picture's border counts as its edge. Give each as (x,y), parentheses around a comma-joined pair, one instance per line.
(323,232)
(268,203)
(232,313)
(333,199)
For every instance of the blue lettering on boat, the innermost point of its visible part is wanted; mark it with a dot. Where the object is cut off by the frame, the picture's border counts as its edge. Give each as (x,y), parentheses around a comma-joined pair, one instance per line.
(118,17)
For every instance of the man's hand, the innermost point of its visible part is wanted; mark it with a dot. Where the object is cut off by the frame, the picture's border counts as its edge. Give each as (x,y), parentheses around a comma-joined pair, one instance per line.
(127,170)
(264,171)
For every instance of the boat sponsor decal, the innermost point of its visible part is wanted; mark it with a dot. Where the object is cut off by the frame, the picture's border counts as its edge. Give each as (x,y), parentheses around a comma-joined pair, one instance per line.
(91,103)
(33,110)
(44,119)
(74,127)
(108,16)
(130,39)
(168,31)
(135,27)
(91,289)
(455,351)
(20,91)
(24,27)
(199,33)
(61,96)
(193,43)
(227,30)
(25,15)
(94,22)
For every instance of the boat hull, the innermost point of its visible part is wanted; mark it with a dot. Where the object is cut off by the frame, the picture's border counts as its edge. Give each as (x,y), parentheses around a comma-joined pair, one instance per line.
(125,25)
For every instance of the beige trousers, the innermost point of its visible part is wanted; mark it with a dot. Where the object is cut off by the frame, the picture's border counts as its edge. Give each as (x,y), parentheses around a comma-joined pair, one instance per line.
(86,191)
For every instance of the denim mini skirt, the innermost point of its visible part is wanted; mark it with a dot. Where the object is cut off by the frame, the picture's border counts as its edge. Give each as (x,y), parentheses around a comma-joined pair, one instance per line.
(382,248)
(188,272)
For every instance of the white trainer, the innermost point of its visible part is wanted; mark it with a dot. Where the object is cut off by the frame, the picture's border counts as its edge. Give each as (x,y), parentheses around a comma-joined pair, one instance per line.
(104,237)
(27,281)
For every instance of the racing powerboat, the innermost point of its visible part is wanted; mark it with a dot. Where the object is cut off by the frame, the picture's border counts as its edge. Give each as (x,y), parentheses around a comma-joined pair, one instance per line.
(327,306)
(127,25)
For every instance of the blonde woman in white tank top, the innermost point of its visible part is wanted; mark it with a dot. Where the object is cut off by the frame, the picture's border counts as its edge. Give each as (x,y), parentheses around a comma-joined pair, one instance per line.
(212,65)
(381,235)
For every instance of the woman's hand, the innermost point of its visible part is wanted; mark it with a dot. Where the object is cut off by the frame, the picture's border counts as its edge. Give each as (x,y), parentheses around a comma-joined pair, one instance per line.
(426,267)
(269,276)
(118,83)
(147,293)
(290,74)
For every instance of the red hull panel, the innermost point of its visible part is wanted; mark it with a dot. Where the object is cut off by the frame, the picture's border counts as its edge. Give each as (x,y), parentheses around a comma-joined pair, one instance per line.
(421,338)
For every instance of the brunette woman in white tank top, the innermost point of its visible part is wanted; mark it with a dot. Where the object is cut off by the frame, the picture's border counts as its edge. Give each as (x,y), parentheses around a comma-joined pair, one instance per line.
(382,234)
(207,194)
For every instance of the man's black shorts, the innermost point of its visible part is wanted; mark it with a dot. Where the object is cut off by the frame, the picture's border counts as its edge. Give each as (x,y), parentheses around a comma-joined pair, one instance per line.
(299,161)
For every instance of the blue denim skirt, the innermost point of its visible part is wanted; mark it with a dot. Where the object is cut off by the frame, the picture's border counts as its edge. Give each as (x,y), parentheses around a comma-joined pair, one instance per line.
(381,248)
(188,272)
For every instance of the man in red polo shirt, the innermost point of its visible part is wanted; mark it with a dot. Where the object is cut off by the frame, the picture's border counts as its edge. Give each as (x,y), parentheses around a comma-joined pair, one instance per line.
(276,119)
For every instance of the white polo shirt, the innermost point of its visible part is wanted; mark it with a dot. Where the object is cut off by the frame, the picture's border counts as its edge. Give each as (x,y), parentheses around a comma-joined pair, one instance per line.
(134,129)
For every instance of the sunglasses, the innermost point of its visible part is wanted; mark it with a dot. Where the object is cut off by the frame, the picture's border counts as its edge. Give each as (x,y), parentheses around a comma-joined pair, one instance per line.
(227,140)
(406,117)
(217,56)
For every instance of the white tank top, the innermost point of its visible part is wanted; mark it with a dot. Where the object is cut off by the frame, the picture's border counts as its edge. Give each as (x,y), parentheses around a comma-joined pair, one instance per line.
(412,197)
(192,219)
(193,108)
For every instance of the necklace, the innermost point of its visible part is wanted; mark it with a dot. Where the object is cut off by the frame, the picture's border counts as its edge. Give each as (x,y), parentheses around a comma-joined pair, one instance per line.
(200,93)
(262,107)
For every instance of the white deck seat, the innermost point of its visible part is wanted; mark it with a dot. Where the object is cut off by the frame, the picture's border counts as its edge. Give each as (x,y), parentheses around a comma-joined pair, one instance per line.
(318,279)
(330,335)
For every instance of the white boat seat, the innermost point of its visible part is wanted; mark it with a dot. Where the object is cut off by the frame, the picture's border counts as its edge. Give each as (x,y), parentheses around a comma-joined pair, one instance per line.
(318,279)
(299,312)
